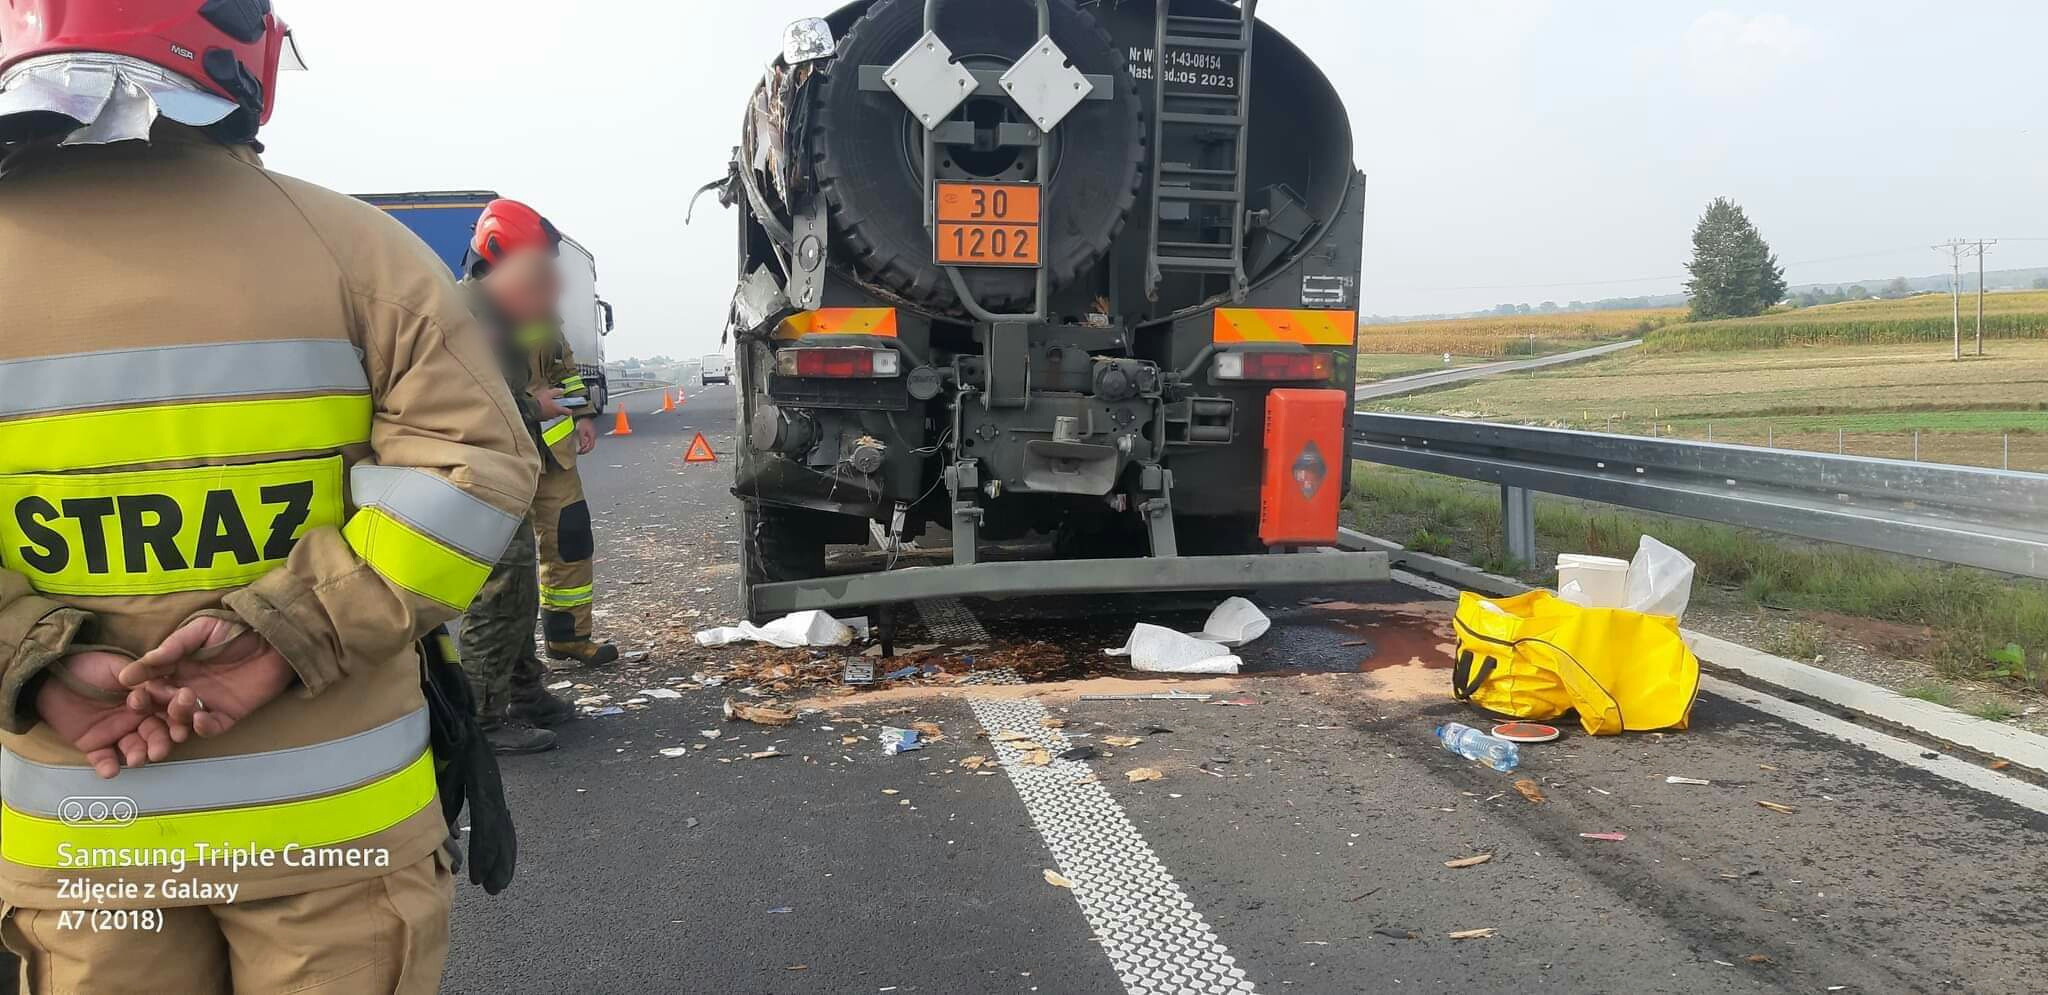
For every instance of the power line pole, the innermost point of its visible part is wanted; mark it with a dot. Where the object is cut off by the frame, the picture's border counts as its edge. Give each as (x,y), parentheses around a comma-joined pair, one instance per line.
(1955,247)
(1981,243)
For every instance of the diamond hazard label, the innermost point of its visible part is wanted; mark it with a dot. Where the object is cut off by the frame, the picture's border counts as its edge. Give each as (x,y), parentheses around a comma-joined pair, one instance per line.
(1309,470)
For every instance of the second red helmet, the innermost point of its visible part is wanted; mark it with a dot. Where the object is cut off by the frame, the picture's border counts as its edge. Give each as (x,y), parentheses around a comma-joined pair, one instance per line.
(508,226)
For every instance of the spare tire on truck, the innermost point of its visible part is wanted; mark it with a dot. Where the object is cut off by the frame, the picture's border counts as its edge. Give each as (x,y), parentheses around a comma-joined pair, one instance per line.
(869,150)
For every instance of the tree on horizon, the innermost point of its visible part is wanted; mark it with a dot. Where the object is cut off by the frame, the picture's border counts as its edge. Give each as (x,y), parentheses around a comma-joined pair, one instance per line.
(1734,273)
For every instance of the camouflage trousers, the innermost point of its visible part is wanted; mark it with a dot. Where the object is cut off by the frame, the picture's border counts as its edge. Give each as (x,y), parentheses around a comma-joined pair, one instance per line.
(497,633)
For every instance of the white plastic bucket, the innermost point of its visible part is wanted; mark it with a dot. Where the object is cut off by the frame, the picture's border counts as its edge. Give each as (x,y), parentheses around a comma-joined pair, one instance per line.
(1592,581)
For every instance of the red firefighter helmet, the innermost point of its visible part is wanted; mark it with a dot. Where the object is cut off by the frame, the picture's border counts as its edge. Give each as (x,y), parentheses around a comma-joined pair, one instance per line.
(508,226)
(233,48)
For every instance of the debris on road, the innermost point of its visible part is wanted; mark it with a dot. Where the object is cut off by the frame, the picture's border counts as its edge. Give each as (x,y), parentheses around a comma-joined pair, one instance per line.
(675,751)
(929,731)
(1530,790)
(1013,736)
(1473,861)
(766,754)
(665,694)
(1471,934)
(1057,880)
(1079,753)
(1234,623)
(1161,696)
(766,715)
(1034,757)
(1472,744)
(1525,732)
(1608,837)
(974,762)
(1675,779)
(1775,807)
(1052,723)
(1160,650)
(1136,774)
(2000,764)
(1125,741)
(808,628)
(896,741)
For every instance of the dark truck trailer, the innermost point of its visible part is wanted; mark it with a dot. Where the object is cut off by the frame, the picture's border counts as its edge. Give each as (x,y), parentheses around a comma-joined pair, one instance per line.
(973,297)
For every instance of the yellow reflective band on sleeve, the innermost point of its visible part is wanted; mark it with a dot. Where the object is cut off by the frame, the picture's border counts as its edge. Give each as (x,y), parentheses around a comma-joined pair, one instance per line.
(571,384)
(567,597)
(413,561)
(31,841)
(1306,326)
(557,430)
(181,432)
(198,528)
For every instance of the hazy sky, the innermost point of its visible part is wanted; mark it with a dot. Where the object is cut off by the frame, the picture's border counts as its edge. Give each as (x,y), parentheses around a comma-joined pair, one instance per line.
(1519,150)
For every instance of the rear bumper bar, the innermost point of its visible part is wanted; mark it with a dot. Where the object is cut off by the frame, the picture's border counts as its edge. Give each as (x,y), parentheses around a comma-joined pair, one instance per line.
(1036,577)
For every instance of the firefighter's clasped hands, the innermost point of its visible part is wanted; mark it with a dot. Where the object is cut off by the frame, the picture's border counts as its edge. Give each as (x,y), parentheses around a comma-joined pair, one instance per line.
(207,675)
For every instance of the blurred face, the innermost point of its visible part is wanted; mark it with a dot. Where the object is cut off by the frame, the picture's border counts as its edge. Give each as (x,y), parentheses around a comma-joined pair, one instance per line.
(525,286)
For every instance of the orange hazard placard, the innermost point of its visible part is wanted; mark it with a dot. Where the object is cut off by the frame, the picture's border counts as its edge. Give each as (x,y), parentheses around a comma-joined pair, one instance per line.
(987,224)
(700,451)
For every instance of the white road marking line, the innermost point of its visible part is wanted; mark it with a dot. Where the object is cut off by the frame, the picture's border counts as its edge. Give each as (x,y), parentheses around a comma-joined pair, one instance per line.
(1904,751)
(1157,942)
(1941,764)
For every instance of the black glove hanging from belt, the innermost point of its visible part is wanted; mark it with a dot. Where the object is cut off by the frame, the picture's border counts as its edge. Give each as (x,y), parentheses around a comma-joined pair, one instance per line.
(465,769)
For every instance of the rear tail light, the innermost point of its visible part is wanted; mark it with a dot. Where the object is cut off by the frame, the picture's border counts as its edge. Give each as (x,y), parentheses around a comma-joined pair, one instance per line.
(1273,366)
(838,363)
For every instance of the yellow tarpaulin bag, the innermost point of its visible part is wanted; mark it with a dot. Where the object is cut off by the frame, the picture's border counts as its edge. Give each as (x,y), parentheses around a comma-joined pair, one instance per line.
(1537,656)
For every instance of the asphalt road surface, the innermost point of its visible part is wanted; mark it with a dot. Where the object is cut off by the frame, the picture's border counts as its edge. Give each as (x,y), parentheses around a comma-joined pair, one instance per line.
(1295,841)
(1418,382)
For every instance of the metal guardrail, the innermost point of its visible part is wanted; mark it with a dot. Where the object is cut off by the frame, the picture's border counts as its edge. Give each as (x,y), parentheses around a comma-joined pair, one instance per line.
(1995,519)
(626,384)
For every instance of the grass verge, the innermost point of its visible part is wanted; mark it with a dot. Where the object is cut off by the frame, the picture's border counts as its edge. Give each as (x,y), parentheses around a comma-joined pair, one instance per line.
(1975,615)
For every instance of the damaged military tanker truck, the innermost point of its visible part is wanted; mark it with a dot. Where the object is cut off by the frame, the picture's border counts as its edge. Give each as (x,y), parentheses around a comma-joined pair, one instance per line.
(1075,286)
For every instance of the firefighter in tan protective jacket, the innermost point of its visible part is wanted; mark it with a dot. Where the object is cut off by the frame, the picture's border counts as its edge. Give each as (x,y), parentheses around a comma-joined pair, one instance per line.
(561,515)
(251,449)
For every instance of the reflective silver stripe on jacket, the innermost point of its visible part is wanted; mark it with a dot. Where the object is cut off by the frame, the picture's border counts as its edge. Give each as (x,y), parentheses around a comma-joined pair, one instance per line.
(49,384)
(433,506)
(225,782)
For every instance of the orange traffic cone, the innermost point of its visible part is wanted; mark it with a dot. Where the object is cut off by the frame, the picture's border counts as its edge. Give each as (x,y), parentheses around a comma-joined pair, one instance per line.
(622,426)
(679,397)
(668,401)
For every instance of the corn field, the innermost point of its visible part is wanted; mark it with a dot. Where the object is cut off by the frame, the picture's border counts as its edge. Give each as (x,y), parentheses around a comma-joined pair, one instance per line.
(1925,318)
(1513,335)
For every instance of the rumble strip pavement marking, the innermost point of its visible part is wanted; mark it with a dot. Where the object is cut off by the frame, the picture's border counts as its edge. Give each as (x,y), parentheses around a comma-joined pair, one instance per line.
(1155,939)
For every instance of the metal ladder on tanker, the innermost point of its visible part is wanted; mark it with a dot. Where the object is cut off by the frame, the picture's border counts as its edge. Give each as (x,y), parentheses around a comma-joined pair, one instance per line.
(1212,118)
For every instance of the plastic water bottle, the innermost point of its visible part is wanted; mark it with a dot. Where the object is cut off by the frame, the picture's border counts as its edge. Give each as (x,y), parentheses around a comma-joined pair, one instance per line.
(1472,744)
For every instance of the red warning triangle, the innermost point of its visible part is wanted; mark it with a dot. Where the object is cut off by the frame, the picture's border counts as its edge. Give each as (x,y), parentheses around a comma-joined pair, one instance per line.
(700,451)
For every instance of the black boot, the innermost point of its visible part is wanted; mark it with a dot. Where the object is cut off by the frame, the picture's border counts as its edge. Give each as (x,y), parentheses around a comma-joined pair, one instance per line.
(540,708)
(511,736)
(587,652)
